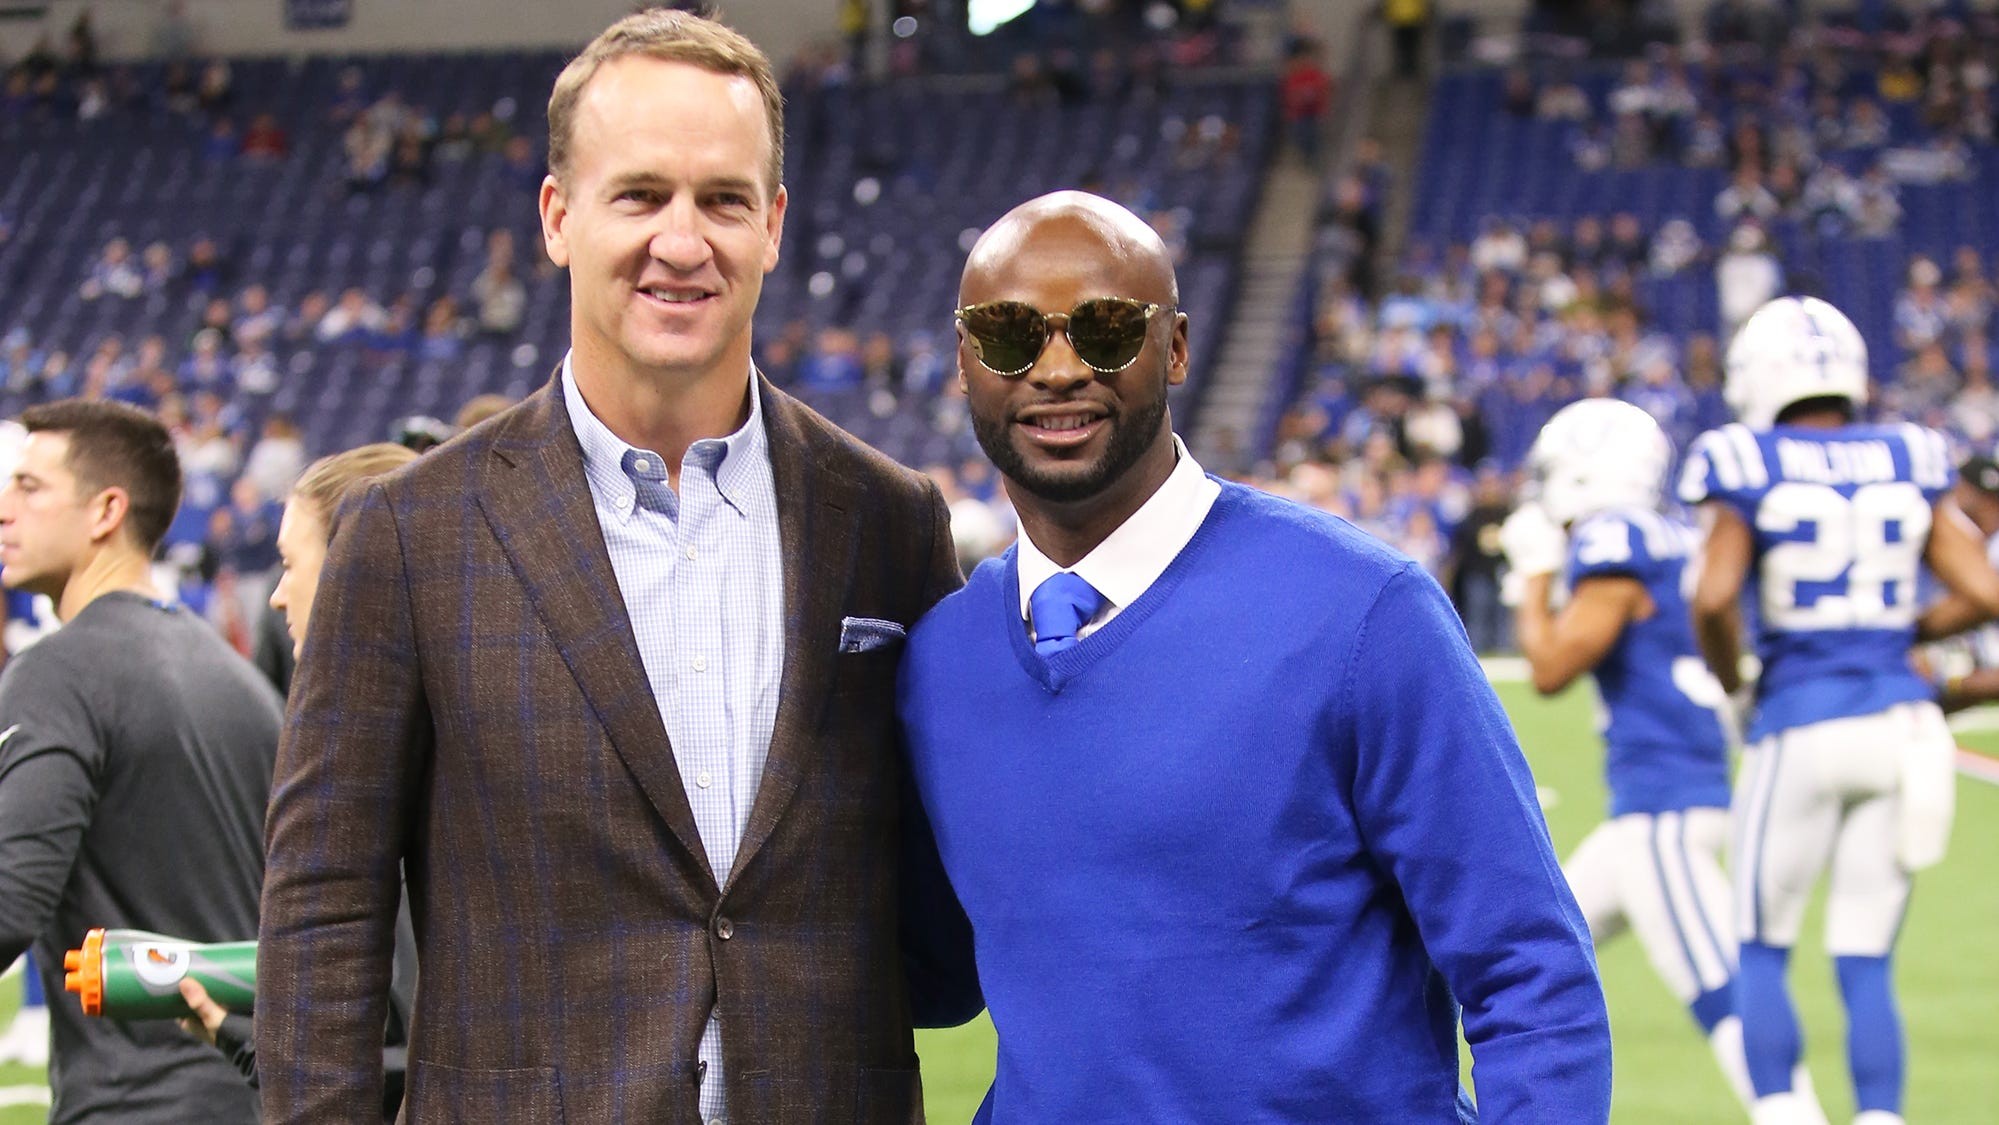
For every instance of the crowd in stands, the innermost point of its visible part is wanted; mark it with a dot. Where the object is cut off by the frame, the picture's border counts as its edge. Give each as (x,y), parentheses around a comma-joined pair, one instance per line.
(1428,378)
(242,341)
(213,384)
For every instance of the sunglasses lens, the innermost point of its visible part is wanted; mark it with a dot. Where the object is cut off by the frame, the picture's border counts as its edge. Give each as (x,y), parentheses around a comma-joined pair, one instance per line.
(1007,336)
(1108,332)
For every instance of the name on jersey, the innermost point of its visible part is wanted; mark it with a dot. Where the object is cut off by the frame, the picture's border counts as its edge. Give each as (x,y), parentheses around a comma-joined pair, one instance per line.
(1836,462)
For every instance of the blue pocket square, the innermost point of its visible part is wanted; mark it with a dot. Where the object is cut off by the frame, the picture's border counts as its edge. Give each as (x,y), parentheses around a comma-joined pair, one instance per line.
(865,634)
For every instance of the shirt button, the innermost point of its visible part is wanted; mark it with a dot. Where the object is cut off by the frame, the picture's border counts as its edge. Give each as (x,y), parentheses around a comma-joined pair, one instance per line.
(642,465)
(690,552)
(703,780)
(724,929)
(700,664)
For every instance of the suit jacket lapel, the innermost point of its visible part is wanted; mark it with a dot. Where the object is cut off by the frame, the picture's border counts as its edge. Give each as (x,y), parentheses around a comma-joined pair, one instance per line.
(816,513)
(538,503)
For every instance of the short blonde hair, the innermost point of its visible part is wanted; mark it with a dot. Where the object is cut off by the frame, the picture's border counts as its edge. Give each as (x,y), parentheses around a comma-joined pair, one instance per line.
(479,408)
(330,480)
(672,36)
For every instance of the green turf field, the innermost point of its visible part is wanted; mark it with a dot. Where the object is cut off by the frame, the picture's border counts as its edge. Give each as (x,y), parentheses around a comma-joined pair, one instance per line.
(1946,968)
(1948,973)
(23,1096)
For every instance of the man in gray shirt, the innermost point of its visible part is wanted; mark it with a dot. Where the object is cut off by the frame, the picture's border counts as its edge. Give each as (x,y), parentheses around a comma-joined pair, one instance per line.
(135,760)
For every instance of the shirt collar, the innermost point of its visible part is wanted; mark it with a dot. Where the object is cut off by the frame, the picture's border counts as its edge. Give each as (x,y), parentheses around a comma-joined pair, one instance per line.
(733,467)
(1133,557)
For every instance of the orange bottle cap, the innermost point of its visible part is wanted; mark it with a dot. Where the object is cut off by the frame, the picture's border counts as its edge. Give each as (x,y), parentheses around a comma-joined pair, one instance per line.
(84,972)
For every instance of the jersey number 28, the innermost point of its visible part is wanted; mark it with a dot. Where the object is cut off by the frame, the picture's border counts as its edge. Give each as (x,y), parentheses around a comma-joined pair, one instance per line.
(1857,567)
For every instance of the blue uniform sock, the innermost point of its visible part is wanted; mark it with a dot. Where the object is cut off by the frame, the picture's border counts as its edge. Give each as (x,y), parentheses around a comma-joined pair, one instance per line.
(1873,1032)
(1770,1037)
(31,986)
(1713,1006)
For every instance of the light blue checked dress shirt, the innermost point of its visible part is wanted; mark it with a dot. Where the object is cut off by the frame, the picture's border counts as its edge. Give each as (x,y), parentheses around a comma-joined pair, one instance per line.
(702,575)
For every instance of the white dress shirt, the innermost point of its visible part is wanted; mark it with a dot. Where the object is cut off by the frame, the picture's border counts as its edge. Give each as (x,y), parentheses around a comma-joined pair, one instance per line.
(1130,559)
(702,575)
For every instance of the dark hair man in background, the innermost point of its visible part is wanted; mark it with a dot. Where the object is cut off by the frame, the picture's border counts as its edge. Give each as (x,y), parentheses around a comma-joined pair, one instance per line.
(135,758)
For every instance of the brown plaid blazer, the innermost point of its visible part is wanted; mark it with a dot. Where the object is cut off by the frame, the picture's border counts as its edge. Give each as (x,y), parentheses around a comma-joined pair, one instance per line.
(471,709)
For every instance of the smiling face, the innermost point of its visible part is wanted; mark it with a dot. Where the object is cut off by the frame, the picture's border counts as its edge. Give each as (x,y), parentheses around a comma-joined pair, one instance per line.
(1062,432)
(665,220)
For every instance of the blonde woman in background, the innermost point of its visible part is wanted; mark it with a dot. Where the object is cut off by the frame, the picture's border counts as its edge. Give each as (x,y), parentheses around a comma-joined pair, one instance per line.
(303,535)
(307,526)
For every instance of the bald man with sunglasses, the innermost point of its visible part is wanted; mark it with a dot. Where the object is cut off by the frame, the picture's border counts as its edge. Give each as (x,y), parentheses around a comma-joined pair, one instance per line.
(1239,824)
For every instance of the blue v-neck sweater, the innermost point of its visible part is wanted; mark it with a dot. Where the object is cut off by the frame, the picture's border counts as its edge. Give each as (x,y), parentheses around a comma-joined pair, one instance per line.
(1232,856)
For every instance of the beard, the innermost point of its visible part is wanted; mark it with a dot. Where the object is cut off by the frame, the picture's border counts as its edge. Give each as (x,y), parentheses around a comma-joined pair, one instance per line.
(1066,483)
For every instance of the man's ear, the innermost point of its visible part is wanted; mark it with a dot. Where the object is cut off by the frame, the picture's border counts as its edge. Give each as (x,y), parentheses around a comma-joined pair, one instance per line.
(108,511)
(554,206)
(1176,354)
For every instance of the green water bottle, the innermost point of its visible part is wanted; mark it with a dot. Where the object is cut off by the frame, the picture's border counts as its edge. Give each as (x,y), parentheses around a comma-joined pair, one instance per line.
(134,975)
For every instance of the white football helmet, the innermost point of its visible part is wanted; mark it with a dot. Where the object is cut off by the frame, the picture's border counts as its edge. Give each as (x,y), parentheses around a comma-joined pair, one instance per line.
(1597,454)
(1792,349)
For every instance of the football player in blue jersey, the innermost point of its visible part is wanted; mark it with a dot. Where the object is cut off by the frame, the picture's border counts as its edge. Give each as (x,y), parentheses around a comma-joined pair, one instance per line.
(1655,866)
(1826,521)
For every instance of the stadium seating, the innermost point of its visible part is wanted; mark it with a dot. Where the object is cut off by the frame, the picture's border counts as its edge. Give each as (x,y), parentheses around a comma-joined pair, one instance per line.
(889,183)
(1480,161)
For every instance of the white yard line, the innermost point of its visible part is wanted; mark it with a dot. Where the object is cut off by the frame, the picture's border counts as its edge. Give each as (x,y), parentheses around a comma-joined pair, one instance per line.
(1976,719)
(1978,767)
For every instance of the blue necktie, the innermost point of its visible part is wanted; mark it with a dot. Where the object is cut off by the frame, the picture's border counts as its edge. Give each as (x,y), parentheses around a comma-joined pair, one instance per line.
(1060,606)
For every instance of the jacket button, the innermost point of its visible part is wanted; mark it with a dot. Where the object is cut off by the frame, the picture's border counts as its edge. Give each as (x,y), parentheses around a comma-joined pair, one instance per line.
(724,929)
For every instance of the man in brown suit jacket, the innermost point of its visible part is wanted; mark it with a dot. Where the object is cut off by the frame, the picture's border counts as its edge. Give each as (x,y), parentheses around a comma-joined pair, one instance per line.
(611,679)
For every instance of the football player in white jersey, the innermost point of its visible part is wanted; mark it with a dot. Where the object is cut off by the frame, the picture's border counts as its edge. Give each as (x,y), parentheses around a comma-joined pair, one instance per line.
(1965,670)
(1654,867)
(1827,521)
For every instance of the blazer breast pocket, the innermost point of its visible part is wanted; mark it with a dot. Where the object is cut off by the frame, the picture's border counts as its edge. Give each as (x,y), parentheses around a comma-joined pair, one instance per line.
(529,1095)
(869,634)
(864,668)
